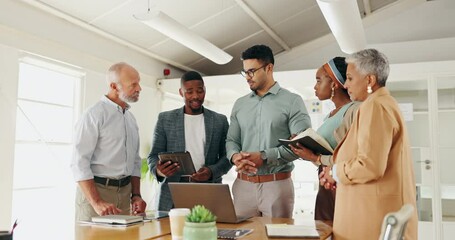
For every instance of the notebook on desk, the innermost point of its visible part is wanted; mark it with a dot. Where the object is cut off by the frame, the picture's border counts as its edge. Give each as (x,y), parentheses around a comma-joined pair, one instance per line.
(214,196)
(291,231)
(224,233)
(117,219)
(154,215)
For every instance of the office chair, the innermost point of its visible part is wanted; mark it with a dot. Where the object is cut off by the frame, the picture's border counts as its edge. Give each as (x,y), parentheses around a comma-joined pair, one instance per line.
(394,223)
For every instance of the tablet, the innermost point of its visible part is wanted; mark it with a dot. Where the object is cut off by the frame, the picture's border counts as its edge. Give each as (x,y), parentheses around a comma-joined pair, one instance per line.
(182,158)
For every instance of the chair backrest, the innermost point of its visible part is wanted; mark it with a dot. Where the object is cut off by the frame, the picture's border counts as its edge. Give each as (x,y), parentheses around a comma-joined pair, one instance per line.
(394,223)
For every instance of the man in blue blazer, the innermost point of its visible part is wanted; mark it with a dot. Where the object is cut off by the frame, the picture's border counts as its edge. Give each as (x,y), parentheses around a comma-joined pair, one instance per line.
(195,129)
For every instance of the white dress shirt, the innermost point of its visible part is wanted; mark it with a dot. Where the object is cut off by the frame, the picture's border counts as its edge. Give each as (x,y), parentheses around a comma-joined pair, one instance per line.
(106,143)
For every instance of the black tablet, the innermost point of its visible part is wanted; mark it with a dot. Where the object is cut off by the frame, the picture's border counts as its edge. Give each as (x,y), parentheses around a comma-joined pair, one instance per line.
(182,158)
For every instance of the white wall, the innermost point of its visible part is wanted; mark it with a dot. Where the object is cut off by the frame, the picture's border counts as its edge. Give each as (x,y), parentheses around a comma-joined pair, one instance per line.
(8,95)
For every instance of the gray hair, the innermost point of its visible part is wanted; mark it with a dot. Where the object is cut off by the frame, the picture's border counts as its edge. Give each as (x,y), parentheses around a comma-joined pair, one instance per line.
(114,72)
(371,61)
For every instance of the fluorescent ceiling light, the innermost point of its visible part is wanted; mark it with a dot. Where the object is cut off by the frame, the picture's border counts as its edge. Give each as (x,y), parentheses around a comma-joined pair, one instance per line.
(166,25)
(344,21)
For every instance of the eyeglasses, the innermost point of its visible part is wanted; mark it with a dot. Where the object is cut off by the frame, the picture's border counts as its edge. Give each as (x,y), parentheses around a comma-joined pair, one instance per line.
(250,73)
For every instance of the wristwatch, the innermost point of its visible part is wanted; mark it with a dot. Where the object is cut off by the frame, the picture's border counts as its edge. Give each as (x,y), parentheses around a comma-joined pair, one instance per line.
(264,157)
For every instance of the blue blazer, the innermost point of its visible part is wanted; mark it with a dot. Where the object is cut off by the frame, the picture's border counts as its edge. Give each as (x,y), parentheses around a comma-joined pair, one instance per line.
(169,136)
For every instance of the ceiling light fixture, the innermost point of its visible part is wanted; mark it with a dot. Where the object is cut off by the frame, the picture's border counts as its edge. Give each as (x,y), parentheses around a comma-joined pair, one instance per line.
(344,20)
(166,25)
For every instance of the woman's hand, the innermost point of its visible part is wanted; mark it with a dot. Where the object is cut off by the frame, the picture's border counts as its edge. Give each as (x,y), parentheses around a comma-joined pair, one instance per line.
(304,153)
(326,179)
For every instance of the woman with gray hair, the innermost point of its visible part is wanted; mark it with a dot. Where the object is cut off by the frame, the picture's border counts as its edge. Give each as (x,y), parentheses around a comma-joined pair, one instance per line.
(373,168)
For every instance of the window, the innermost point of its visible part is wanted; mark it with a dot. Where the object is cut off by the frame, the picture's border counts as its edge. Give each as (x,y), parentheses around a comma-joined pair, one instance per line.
(43,188)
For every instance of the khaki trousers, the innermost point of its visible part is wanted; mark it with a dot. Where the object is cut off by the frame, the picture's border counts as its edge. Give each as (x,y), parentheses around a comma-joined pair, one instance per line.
(119,196)
(272,199)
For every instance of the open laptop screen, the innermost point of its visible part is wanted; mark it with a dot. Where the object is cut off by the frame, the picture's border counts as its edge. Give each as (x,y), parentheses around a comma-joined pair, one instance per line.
(214,196)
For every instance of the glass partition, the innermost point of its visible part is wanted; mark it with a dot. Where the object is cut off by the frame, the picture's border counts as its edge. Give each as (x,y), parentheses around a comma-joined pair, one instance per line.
(446,144)
(412,96)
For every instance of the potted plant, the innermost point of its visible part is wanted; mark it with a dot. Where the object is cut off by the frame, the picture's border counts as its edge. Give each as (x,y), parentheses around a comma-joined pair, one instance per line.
(200,224)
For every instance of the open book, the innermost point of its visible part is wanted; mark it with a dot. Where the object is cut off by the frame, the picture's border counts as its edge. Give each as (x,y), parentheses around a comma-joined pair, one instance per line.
(311,140)
(291,231)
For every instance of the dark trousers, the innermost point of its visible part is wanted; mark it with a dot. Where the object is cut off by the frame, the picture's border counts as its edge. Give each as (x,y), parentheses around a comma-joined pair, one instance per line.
(325,203)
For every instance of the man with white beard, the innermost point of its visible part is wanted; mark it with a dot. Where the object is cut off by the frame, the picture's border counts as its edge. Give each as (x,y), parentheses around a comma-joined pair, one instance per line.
(106,162)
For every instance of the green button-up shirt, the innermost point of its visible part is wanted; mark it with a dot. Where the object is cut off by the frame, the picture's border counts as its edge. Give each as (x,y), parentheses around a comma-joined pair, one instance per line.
(258,122)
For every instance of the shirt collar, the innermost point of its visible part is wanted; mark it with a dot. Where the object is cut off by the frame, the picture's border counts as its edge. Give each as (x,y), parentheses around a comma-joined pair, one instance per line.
(108,101)
(183,109)
(273,90)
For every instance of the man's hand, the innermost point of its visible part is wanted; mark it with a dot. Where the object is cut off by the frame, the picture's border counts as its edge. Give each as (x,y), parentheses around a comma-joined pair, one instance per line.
(100,206)
(104,208)
(247,162)
(326,180)
(237,157)
(242,164)
(202,175)
(138,205)
(167,169)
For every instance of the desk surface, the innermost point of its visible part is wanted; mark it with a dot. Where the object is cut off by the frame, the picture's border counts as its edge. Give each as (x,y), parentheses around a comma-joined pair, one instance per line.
(147,230)
(160,230)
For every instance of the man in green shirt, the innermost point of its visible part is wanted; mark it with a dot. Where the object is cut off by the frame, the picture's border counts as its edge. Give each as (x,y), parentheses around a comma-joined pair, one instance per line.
(263,186)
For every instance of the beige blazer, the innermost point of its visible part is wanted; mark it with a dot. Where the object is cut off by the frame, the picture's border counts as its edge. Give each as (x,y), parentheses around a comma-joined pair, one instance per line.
(375,170)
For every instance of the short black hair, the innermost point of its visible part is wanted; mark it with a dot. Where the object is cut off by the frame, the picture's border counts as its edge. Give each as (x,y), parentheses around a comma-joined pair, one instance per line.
(341,65)
(189,76)
(260,52)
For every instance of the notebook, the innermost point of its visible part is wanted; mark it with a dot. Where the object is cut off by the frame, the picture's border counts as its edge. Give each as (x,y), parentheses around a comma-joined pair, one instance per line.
(214,196)
(153,215)
(117,219)
(291,231)
(232,233)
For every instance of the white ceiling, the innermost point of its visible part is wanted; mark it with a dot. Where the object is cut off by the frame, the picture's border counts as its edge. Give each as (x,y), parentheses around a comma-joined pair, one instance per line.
(298,23)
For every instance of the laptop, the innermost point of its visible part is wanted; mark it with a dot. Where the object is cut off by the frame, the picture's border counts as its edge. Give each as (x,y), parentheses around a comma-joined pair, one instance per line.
(214,196)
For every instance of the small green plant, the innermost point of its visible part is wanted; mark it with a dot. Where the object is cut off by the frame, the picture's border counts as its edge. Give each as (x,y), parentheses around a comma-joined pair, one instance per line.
(200,214)
(145,171)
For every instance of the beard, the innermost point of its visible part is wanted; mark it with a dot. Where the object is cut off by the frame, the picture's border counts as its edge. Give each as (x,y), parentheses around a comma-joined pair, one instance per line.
(130,99)
(197,108)
(253,85)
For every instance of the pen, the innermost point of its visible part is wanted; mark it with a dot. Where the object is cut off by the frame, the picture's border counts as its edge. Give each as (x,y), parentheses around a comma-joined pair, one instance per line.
(14,226)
